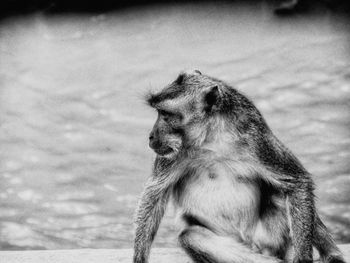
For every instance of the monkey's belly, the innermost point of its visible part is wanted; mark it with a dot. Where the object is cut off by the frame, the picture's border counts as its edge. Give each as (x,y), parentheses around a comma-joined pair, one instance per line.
(216,199)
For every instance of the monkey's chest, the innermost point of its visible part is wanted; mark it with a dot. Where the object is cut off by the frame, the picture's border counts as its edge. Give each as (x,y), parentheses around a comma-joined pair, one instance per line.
(217,198)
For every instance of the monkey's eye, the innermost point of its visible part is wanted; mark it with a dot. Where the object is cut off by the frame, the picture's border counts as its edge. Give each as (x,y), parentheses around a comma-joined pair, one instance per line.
(166,114)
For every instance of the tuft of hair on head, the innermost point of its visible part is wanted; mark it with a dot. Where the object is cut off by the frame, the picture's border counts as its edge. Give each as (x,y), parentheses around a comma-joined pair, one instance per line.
(183,75)
(197,72)
(212,100)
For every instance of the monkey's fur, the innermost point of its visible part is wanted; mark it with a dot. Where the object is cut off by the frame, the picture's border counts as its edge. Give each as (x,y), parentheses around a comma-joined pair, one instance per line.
(241,194)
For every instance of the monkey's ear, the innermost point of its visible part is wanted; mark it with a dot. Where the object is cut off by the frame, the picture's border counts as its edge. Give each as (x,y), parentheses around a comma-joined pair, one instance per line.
(212,99)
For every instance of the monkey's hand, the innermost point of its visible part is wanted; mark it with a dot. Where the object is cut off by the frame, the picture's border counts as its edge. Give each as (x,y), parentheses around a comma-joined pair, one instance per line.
(149,214)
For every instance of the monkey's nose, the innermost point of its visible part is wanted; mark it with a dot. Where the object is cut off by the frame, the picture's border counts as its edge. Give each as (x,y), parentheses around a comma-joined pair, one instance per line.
(151,137)
(151,141)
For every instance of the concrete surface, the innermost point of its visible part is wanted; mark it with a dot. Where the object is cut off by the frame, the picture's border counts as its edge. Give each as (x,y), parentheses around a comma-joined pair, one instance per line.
(159,255)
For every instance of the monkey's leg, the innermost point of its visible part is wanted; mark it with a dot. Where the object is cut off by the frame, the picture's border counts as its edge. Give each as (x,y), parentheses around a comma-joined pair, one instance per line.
(204,246)
(329,252)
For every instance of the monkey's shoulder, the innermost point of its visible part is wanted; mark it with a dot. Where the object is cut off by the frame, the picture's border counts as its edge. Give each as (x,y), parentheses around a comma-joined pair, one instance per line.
(275,156)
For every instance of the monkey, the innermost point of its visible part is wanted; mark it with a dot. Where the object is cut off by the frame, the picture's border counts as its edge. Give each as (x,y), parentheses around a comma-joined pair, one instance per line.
(240,194)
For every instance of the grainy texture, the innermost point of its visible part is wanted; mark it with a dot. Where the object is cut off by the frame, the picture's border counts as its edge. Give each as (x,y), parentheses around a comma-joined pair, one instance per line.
(74,148)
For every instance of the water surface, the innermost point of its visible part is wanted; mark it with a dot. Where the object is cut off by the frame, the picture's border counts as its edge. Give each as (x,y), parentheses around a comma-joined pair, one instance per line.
(74,127)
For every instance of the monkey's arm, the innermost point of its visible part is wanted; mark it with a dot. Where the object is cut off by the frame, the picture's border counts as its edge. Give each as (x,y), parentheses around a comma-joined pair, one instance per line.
(297,184)
(301,212)
(325,244)
(149,214)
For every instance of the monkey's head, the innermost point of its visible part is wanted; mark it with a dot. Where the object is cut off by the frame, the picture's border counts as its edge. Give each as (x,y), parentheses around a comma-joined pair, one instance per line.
(185,108)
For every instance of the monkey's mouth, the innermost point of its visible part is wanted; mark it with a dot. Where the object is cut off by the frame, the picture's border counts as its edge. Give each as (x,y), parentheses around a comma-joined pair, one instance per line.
(164,151)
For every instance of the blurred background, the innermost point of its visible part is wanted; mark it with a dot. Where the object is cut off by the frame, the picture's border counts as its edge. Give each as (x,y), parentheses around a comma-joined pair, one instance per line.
(74,128)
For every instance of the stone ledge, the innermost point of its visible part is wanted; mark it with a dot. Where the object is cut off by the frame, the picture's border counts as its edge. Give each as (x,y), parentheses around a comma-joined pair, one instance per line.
(158,255)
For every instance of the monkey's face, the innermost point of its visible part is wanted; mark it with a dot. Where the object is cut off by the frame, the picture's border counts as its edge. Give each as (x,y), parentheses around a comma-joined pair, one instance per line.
(182,109)
(165,138)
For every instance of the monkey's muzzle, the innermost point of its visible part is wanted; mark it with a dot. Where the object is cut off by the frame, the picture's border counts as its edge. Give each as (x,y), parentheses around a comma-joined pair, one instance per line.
(159,148)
